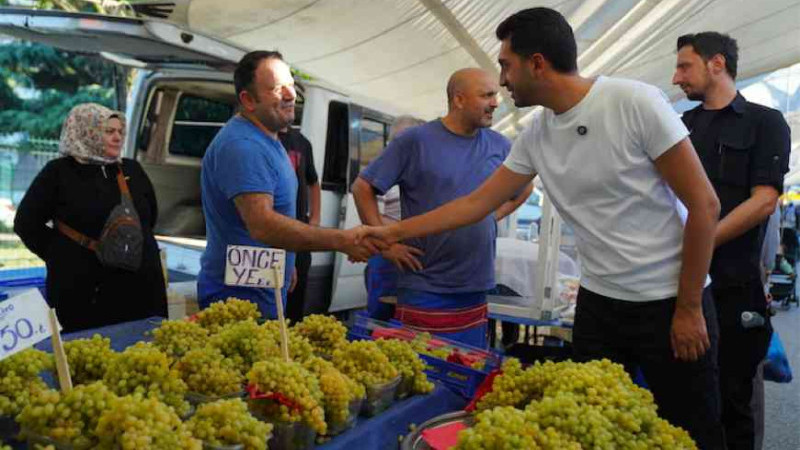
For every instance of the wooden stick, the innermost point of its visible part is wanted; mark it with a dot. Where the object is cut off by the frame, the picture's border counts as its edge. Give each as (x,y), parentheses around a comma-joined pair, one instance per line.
(276,276)
(62,366)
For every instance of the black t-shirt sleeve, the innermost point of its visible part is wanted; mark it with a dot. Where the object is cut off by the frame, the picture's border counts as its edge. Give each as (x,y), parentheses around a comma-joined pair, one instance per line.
(770,159)
(311,171)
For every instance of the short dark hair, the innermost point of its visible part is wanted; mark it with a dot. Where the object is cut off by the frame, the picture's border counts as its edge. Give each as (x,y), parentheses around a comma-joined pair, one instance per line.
(710,43)
(245,71)
(545,31)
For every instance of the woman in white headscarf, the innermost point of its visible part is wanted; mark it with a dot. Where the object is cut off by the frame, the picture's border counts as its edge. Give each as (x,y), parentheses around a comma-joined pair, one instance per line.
(67,206)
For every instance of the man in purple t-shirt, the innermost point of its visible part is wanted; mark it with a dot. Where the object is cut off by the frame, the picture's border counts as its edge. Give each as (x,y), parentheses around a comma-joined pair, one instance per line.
(433,164)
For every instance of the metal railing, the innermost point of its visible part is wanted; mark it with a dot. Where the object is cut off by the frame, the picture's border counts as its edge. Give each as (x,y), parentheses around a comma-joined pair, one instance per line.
(19,165)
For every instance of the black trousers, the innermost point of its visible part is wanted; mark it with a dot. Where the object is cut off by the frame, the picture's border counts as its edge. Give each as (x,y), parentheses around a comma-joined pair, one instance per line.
(637,335)
(296,300)
(741,350)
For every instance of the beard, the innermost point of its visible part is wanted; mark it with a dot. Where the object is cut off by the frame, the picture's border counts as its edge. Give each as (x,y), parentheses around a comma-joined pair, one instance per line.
(696,96)
(521,99)
(275,120)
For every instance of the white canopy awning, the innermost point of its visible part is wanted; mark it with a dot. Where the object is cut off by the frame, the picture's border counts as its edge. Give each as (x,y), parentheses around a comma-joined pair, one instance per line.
(403,51)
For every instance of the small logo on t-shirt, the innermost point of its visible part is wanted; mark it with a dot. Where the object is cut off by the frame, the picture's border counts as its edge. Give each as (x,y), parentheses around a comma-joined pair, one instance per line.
(582,130)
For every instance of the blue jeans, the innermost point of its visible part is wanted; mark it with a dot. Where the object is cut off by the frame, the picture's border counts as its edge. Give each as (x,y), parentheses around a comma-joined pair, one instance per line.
(381,280)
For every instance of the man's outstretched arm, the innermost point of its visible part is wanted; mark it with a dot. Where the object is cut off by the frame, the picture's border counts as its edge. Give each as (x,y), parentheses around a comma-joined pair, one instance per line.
(267,226)
(511,205)
(501,186)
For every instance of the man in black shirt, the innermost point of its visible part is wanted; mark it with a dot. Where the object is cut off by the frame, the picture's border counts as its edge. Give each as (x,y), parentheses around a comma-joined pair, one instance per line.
(744,148)
(301,155)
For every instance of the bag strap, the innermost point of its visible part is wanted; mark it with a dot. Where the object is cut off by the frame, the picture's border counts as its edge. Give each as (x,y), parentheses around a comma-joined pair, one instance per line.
(77,236)
(123,185)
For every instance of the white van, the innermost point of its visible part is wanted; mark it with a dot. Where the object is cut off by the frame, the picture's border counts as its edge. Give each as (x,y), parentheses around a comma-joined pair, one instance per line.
(181,95)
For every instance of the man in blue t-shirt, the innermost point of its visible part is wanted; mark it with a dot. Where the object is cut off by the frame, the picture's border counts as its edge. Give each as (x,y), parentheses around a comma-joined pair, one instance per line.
(249,187)
(433,164)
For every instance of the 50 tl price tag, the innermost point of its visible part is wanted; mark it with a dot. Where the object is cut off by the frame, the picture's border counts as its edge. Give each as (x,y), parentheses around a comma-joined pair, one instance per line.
(23,322)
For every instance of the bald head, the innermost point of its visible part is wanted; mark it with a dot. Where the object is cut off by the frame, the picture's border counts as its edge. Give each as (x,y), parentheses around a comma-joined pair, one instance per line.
(471,98)
(463,80)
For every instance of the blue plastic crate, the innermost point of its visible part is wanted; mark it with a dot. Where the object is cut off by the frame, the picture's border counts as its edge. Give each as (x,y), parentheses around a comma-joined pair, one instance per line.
(459,378)
(11,286)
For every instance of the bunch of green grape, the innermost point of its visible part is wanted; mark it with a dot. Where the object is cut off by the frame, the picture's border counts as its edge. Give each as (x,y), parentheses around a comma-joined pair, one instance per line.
(408,363)
(338,391)
(206,371)
(595,403)
(143,369)
(16,392)
(325,333)
(296,385)
(421,344)
(245,343)
(514,387)
(88,358)
(69,418)
(134,422)
(176,337)
(300,348)
(597,426)
(232,310)
(364,362)
(228,422)
(27,363)
(506,427)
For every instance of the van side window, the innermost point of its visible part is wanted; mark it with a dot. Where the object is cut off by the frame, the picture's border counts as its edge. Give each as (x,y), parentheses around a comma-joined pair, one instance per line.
(337,149)
(197,121)
(372,141)
(371,133)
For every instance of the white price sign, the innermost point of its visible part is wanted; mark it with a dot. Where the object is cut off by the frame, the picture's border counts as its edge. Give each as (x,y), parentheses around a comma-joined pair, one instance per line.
(253,266)
(24,321)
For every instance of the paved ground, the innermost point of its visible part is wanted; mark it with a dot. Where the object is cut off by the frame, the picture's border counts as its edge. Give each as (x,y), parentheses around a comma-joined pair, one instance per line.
(782,401)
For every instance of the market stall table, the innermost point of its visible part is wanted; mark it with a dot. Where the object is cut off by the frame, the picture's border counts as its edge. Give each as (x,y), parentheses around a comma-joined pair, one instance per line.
(381,431)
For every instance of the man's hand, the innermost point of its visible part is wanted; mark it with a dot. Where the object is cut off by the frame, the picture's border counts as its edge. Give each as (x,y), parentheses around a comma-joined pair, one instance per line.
(293,281)
(404,257)
(689,335)
(313,221)
(387,234)
(359,246)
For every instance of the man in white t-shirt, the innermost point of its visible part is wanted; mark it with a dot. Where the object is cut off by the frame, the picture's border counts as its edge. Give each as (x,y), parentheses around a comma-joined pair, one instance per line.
(615,160)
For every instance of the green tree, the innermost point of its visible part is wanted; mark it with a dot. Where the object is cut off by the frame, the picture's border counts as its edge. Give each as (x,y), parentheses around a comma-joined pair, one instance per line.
(44,67)
(60,79)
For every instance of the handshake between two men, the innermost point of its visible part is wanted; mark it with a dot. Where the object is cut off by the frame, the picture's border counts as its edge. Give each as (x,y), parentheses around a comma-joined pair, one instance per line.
(365,241)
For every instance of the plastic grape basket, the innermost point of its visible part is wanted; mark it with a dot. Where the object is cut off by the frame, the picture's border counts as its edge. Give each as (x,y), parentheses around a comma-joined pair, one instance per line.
(292,436)
(188,415)
(36,441)
(285,435)
(196,399)
(354,409)
(405,388)
(459,366)
(380,397)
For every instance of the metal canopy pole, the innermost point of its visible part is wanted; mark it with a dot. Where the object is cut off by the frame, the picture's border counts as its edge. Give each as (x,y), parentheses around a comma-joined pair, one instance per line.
(547,268)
